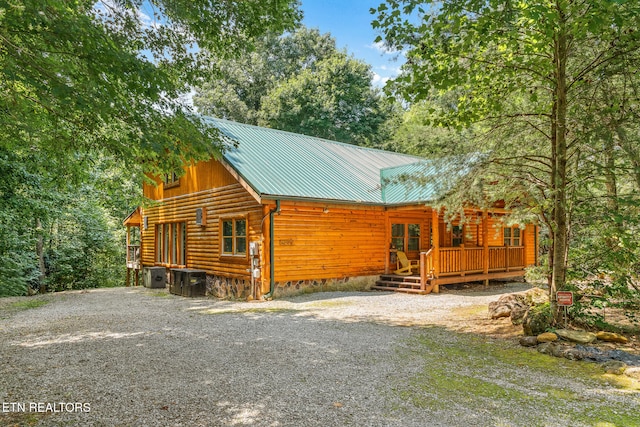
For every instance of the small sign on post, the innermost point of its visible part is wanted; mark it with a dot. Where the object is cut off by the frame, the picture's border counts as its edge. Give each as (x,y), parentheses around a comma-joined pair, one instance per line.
(564,298)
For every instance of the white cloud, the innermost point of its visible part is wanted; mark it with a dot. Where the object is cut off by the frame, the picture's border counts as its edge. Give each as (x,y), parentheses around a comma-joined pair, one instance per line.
(382,48)
(379,80)
(393,70)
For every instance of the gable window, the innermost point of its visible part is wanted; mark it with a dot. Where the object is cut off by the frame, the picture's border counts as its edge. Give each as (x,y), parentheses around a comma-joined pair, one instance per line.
(234,236)
(512,236)
(171,248)
(171,180)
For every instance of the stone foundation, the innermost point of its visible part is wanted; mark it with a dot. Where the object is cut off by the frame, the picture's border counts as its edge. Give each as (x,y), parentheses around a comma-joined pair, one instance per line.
(238,288)
(228,287)
(362,283)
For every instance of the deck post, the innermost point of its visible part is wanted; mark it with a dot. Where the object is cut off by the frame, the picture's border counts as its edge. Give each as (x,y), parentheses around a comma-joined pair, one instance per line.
(436,246)
(506,258)
(423,271)
(463,261)
(485,244)
(387,238)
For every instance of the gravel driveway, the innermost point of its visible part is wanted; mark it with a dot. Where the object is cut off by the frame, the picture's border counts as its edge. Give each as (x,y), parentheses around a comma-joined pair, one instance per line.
(140,357)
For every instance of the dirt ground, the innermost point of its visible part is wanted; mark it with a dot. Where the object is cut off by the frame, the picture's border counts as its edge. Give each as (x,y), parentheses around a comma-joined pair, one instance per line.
(143,357)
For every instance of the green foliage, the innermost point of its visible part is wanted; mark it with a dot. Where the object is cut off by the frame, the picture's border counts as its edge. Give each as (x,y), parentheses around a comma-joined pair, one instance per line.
(92,95)
(333,101)
(85,249)
(301,83)
(78,226)
(551,91)
(412,135)
(85,75)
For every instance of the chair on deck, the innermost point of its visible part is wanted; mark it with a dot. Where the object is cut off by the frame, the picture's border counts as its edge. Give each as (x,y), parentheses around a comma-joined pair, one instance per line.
(405,265)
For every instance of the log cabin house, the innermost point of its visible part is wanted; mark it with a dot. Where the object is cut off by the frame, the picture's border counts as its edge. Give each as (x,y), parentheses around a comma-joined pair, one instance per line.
(281,211)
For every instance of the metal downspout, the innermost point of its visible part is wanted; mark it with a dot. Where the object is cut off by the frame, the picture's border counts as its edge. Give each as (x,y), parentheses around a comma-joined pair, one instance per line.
(272,282)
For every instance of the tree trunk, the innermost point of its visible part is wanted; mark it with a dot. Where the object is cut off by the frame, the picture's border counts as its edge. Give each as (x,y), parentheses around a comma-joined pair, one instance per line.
(40,254)
(560,231)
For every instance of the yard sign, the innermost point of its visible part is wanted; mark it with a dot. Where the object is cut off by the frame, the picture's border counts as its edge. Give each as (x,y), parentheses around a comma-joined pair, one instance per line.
(564,298)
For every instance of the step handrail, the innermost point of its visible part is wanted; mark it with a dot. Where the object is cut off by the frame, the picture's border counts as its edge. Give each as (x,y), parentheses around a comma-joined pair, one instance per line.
(424,256)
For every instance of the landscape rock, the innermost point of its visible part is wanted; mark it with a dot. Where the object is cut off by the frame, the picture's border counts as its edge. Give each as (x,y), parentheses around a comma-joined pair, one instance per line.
(546,348)
(547,337)
(581,337)
(497,311)
(505,304)
(528,341)
(614,367)
(612,337)
(536,296)
(573,354)
(633,372)
(560,350)
(537,320)
(597,355)
(518,313)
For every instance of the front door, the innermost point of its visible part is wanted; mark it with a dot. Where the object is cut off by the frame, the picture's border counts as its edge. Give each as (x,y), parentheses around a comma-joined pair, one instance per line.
(406,237)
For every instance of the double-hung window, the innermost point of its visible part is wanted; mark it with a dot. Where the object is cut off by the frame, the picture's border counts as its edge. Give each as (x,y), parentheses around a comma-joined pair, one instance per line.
(234,236)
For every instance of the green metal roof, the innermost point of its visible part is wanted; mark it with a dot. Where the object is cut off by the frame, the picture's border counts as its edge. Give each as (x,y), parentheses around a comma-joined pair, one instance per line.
(278,164)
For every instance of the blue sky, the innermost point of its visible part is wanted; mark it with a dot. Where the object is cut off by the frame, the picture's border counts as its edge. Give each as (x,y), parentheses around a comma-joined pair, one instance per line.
(349,22)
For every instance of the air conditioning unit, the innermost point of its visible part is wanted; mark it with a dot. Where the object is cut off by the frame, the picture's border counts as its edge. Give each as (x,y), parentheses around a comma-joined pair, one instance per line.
(176,281)
(188,282)
(201,216)
(155,277)
(195,283)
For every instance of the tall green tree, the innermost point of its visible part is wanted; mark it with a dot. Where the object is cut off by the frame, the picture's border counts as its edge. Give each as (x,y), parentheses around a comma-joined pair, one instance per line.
(336,101)
(521,69)
(299,82)
(76,75)
(83,83)
(235,86)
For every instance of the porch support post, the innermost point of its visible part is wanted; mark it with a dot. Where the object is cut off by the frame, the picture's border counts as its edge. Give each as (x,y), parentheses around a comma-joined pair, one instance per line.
(128,238)
(436,246)
(387,239)
(485,244)
(423,271)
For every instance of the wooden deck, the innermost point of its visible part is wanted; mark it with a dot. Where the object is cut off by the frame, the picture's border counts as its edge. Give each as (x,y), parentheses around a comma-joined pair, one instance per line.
(412,285)
(444,266)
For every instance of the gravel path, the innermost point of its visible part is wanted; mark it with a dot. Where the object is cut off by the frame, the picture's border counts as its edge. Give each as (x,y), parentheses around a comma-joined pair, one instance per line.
(139,357)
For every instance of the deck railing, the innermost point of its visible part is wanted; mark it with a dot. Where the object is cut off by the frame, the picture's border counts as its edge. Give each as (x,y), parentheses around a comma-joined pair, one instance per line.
(133,256)
(461,260)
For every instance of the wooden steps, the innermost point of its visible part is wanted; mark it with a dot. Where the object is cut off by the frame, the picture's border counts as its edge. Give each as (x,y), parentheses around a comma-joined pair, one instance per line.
(408,284)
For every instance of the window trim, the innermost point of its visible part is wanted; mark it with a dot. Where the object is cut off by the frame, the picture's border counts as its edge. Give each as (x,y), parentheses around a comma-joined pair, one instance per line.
(234,254)
(512,236)
(170,180)
(406,236)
